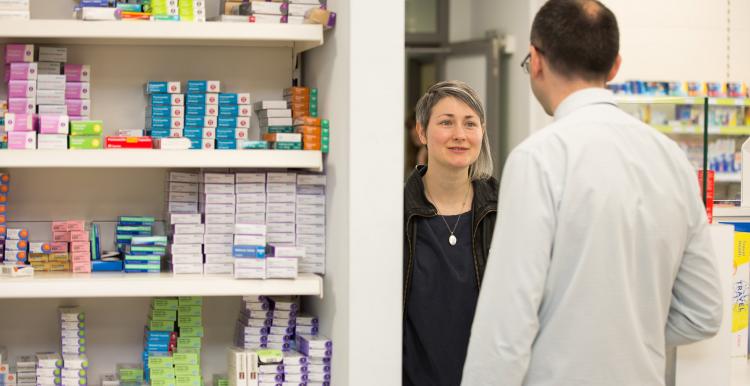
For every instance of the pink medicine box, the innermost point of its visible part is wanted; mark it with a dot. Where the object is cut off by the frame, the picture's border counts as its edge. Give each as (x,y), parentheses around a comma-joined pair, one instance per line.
(22,89)
(78,107)
(77,90)
(53,124)
(23,71)
(25,140)
(19,53)
(77,72)
(22,105)
(20,122)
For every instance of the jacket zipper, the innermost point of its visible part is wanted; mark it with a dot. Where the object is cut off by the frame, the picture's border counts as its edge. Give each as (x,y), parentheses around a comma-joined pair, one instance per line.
(473,246)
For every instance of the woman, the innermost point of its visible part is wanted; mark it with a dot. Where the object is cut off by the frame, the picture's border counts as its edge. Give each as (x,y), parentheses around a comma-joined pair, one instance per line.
(450,207)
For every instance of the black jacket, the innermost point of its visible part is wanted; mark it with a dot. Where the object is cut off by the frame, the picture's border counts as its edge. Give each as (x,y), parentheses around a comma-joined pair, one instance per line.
(484,213)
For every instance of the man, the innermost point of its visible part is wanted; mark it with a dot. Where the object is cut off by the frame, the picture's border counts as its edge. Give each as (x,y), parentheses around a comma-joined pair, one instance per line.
(602,253)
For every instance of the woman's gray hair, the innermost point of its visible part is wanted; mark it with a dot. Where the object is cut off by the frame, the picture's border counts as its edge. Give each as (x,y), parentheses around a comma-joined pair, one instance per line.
(482,167)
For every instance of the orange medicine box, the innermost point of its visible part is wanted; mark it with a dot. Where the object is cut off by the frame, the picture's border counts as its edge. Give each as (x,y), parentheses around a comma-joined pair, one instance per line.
(298,98)
(309,130)
(311,146)
(299,106)
(297,91)
(308,121)
(311,138)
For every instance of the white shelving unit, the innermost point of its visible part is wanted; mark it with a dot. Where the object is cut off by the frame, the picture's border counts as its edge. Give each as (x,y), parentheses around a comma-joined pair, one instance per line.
(119,284)
(298,37)
(141,158)
(360,64)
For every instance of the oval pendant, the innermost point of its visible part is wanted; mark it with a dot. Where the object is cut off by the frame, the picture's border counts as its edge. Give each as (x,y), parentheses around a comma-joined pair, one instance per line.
(452,240)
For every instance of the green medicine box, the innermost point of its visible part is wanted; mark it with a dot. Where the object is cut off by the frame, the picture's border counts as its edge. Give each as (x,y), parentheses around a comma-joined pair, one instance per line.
(170,315)
(187,370)
(131,374)
(189,311)
(85,142)
(86,128)
(188,350)
(161,325)
(160,362)
(186,358)
(163,382)
(193,341)
(182,380)
(164,304)
(160,372)
(189,321)
(191,331)
(190,301)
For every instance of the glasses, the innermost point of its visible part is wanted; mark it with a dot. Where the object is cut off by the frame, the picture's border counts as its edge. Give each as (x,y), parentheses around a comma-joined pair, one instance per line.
(526,64)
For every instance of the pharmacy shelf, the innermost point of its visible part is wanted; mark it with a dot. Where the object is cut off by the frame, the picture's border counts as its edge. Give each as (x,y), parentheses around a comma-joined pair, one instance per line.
(634,99)
(731,211)
(727,177)
(696,129)
(299,37)
(120,284)
(146,158)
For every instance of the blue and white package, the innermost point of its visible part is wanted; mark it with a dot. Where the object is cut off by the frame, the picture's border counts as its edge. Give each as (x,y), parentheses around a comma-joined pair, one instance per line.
(153,87)
(234,99)
(203,86)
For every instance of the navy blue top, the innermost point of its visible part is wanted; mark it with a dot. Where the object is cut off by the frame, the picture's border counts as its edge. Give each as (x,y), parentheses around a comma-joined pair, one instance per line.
(440,307)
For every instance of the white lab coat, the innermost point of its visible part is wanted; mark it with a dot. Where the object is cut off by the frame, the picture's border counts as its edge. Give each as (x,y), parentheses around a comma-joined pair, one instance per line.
(601,256)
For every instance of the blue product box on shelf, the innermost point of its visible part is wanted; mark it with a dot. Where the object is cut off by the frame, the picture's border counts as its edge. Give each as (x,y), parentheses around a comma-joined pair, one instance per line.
(234,99)
(203,86)
(229,110)
(233,122)
(94,3)
(196,143)
(197,110)
(226,144)
(253,251)
(200,122)
(225,134)
(193,132)
(201,99)
(159,111)
(162,87)
(106,266)
(160,133)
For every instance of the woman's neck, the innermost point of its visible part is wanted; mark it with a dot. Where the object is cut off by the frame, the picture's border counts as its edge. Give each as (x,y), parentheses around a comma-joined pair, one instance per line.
(448,189)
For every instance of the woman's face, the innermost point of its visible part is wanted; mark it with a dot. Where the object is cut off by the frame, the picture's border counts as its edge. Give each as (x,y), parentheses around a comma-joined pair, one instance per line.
(454,134)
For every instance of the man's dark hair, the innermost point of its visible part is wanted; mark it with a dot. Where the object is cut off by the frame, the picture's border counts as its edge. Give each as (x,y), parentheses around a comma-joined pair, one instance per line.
(579,38)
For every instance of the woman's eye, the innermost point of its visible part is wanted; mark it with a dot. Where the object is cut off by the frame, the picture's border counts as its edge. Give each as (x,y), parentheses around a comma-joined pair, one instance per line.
(471,124)
(445,123)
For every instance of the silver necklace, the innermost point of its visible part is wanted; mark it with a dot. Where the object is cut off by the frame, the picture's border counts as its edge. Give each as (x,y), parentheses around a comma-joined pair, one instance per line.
(452,240)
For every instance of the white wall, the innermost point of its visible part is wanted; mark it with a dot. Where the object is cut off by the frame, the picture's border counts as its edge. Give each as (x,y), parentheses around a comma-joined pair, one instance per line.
(361,68)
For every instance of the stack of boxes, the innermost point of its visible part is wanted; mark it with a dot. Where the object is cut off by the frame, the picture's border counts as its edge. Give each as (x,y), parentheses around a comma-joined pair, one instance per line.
(281,191)
(129,374)
(275,124)
(86,135)
(201,113)
(307,325)
(192,10)
(39,253)
(160,339)
(295,367)
(60,256)
(186,226)
(15,10)
(315,133)
(49,369)
(4,189)
(80,247)
(145,253)
(26,370)
(73,339)
(310,222)
(303,101)
(165,8)
(21,74)
(217,203)
(254,322)
(266,12)
(135,240)
(51,93)
(235,107)
(7,377)
(17,246)
(281,333)
(243,367)
(319,351)
(189,342)
(249,250)
(3,134)
(165,110)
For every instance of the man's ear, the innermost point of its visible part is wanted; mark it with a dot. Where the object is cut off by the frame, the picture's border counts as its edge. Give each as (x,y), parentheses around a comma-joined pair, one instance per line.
(615,69)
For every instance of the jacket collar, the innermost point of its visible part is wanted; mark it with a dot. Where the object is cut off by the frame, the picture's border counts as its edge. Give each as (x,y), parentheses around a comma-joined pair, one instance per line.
(415,200)
(583,98)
